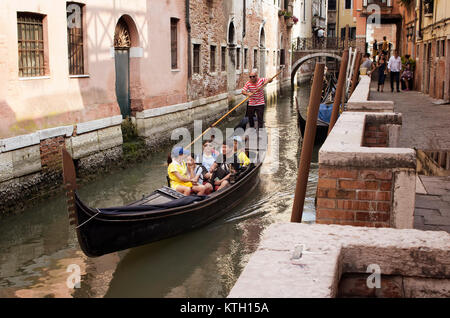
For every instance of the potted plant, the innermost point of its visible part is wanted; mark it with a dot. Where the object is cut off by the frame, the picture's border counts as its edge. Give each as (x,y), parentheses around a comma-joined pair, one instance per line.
(281,12)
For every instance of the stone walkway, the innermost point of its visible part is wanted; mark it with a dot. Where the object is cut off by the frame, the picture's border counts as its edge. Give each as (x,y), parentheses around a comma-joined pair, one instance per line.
(425,126)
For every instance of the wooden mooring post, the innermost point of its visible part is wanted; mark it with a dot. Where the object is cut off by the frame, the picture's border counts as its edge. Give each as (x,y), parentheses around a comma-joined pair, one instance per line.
(339,90)
(308,144)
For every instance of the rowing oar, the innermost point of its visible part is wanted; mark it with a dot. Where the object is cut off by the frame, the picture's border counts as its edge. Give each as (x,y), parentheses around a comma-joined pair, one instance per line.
(229,112)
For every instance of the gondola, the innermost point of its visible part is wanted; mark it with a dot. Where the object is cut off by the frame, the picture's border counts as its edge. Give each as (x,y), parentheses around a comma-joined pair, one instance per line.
(324,112)
(162,214)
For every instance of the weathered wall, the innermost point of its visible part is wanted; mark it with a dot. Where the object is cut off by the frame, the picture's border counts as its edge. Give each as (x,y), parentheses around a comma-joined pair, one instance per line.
(362,182)
(31,165)
(27,105)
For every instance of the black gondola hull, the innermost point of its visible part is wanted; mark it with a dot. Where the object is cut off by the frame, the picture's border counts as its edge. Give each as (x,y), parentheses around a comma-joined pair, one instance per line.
(321,131)
(101,234)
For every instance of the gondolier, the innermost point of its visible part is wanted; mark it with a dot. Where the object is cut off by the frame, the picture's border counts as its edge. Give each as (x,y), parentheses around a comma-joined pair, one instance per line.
(256,103)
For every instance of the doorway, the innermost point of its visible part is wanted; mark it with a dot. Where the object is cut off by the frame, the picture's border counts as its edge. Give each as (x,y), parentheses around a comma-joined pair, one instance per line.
(122,44)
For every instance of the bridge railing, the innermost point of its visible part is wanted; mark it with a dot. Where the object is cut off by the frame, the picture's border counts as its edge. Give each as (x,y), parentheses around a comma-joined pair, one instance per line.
(325,43)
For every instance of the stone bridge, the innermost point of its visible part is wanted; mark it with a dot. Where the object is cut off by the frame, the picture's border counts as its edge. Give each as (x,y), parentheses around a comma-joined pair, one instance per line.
(300,57)
(306,49)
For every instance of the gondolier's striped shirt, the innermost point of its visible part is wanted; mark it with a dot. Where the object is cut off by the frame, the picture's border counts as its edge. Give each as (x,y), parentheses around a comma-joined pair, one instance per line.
(258,98)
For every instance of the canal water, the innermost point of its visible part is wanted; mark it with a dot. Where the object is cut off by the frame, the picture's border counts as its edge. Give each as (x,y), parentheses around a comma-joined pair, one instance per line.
(40,256)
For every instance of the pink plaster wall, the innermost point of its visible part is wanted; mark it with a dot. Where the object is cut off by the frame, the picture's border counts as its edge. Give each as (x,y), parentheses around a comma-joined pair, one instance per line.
(29,105)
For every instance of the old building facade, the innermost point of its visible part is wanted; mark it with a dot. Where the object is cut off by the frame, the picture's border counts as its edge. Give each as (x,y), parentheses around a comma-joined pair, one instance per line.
(432,75)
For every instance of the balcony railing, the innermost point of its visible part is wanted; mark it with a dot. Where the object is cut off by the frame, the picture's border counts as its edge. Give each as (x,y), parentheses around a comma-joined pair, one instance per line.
(381,3)
(325,43)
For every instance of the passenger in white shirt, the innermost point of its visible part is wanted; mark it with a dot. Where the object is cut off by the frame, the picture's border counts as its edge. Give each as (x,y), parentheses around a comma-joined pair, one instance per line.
(394,67)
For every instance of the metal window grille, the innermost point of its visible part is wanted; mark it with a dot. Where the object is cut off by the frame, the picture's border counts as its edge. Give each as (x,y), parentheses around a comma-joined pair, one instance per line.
(255,58)
(174,42)
(196,58)
(31,44)
(75,39)
(212,59)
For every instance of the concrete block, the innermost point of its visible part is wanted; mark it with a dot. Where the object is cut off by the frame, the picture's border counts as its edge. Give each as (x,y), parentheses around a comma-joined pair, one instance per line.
(21,141)
(6,166)
(404,199)
(26,160)
(68,142)
(329,251)
(98,124)
(110,137)
(55,132)
(85,145)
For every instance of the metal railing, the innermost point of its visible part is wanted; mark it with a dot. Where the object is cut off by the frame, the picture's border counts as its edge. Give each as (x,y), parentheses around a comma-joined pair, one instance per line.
(325,43)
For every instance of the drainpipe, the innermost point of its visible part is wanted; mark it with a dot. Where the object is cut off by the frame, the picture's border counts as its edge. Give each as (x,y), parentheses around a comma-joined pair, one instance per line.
(188,27)
(243,19)
(420,20)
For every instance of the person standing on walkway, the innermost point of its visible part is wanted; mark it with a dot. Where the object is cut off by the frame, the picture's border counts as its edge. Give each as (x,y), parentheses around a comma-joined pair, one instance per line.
(375,51)
(256,103)
(382,70)
(395,66)
(385,47)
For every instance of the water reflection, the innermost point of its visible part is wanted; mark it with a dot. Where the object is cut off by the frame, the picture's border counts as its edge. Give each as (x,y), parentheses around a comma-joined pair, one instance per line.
(37,246)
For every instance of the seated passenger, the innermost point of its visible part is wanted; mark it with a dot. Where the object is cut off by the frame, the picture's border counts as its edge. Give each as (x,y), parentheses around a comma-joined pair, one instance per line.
(195,174)
(220,170)
(205,161)
(238,149)
(177,171)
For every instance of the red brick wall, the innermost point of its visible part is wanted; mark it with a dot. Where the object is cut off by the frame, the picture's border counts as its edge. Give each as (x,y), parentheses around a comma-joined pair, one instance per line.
(359,197)
(375,135)
(51,158)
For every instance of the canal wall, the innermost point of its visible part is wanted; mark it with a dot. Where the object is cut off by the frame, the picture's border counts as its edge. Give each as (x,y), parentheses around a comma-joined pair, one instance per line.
(297,260)
(31,165)
(363,180)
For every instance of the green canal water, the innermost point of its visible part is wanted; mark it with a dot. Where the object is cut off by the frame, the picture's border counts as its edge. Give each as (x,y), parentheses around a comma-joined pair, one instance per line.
(38,245)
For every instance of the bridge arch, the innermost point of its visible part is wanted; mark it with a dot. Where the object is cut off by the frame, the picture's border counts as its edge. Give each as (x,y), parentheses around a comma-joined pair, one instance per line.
(302,60)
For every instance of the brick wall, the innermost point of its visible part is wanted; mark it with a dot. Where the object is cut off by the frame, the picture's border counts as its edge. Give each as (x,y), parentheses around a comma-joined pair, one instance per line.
(51,158)
(375,135)
(359,197)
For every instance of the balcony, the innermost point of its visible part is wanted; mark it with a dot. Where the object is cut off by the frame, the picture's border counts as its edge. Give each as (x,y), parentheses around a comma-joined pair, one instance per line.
(372,6)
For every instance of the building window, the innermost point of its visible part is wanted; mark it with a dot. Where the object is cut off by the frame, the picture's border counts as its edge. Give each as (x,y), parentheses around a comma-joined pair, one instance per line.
(212,58)
(428,7)
(332,5)
(245,59)
(31,44)
(282,57)
(331,30)
(348,4)
(238,58)
(75,38)
(196,65)
(438,51)
(255,58)
(274,58)
(174,42)
(443,48)
(223,58)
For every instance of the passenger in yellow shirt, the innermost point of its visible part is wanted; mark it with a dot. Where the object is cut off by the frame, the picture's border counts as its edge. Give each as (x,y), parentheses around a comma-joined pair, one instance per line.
(243,160)
(179,178)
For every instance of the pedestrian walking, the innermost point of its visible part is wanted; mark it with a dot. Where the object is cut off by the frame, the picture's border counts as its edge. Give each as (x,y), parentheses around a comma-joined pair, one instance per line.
(394,67)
